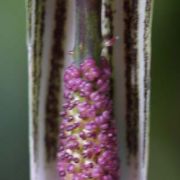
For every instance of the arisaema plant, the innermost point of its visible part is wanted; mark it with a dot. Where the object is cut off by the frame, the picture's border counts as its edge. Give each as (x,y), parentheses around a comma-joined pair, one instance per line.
(89,86)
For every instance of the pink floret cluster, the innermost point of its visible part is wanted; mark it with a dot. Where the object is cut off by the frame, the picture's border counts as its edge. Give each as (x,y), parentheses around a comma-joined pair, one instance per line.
(88,147)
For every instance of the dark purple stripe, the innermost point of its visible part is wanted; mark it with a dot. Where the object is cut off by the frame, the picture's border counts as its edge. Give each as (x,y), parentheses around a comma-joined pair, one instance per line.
(56,64)
(132,97)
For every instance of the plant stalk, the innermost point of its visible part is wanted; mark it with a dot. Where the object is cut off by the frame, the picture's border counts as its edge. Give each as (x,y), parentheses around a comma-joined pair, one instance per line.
(88,30)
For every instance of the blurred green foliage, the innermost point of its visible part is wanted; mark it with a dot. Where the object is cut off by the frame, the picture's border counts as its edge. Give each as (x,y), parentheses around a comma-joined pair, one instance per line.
(13,92)
(165,99)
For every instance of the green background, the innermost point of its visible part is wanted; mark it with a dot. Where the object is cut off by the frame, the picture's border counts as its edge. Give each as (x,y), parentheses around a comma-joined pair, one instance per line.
(165,99)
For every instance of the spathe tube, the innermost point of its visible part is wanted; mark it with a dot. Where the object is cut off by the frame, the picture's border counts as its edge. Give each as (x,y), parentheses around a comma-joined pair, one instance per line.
(131,64)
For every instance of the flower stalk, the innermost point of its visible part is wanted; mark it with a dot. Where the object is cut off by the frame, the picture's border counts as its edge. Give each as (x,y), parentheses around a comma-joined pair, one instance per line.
(88,30)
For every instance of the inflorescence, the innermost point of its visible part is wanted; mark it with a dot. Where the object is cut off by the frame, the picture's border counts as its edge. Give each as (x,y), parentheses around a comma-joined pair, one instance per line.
(88,147)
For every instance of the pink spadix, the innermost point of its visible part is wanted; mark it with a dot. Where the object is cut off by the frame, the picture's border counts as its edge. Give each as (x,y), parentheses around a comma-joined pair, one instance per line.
(88,138)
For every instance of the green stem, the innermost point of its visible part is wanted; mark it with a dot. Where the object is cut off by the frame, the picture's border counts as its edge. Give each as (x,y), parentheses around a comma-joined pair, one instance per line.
(88,30)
